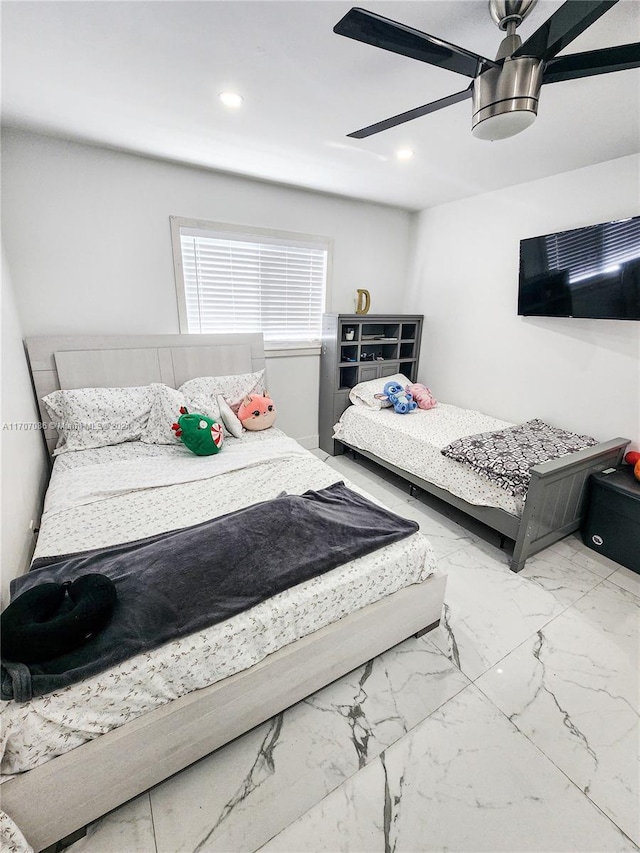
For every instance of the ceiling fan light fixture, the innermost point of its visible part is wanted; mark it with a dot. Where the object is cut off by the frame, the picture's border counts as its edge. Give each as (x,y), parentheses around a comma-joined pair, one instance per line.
(505,101)
(503,125)
(231,99)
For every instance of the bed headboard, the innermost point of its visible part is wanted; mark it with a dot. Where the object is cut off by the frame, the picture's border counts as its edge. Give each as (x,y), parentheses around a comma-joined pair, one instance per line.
(112,361)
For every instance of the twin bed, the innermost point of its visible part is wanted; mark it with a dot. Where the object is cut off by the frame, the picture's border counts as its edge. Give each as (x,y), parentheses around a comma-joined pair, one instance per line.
(410,445)
(74,754)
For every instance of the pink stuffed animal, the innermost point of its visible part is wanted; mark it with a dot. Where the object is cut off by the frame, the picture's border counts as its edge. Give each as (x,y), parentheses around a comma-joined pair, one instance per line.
(422,395)
(257,412)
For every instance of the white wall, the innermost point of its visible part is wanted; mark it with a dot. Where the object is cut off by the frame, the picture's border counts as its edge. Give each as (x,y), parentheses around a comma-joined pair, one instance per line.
(583,375)
(86,232)
(24,465)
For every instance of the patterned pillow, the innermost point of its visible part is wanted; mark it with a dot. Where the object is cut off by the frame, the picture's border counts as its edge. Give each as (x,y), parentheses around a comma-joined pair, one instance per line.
(363,394)
(233,388)
(97,417)
(165,411)
(506,456)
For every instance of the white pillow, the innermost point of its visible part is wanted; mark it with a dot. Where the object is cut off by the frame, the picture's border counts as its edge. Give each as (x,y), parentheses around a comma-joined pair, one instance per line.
(97,417)
(229,418)
(233,388)
(165,411)
(364,393)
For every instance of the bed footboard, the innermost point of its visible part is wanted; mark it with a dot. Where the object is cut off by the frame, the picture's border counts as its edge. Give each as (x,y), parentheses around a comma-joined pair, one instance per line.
(557,497)
(555,504)
(59,797)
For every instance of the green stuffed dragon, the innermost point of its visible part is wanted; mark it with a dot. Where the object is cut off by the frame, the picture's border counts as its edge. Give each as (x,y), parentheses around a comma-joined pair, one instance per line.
(200,434)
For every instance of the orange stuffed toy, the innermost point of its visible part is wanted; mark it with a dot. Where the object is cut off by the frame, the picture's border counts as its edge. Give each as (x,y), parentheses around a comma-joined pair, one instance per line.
(633,458)
(257,412)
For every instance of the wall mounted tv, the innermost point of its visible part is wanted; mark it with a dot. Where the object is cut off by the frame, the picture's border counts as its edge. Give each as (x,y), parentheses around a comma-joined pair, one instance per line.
(587,272)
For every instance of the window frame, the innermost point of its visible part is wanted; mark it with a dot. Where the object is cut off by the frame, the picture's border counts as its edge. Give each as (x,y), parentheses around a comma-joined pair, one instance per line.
(178,222)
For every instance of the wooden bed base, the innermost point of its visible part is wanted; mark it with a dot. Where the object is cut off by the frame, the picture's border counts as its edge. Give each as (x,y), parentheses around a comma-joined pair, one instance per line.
(56,799)
(556,499)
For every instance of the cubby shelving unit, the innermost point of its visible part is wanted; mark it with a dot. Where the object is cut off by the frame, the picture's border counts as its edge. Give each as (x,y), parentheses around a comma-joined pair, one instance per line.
(359,347)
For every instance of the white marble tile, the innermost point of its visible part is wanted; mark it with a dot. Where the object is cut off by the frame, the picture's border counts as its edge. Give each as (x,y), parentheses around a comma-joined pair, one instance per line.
(382,484)
(388,494)
(368,466)
(573,548)
(128,829)
(489,610)
(626,579)
(566,579)
(573,689)
(445,535)
(464,779)
(321,454)
(345,465)
(249,790)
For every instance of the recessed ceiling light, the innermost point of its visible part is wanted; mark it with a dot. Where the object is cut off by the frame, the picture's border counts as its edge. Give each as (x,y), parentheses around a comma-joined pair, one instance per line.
(231,99)
(404,153)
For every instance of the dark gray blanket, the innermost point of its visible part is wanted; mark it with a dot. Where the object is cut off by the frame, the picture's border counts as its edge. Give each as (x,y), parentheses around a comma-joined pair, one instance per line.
(173,584)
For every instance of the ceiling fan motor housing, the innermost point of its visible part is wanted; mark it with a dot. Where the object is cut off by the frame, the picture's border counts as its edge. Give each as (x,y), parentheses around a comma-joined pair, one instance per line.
(505,100)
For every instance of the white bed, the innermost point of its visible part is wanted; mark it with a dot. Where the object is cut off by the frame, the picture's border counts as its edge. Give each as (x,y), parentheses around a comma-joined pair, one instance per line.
(410,445)
(88,507)
(84,750)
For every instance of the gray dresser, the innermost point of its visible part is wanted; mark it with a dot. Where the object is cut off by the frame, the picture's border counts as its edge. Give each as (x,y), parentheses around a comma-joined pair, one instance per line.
(359,347)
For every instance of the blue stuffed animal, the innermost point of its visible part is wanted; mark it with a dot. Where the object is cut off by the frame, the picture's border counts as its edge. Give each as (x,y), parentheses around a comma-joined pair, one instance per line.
(401,400)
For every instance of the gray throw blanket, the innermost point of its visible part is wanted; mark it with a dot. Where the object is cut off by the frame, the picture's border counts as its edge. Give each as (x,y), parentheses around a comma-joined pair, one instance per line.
(176,583)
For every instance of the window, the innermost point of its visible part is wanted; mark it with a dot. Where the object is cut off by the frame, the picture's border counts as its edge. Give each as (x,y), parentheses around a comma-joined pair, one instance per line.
(234,280)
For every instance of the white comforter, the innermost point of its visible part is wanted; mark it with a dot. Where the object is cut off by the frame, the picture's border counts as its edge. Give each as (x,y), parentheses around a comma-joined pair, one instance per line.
(122,493)
(413,443)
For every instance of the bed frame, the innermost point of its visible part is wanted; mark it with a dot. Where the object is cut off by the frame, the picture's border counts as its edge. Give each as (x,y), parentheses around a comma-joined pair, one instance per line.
(54,801)
(556,498)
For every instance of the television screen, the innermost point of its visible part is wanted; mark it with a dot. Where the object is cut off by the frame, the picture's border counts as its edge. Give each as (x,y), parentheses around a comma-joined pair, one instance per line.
(586,272)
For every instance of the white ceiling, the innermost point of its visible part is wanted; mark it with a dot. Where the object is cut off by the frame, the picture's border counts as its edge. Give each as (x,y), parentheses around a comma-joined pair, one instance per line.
(144,77)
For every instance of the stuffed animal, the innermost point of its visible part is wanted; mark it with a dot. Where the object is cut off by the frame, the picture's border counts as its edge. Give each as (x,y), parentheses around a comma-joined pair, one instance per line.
(257,412)
(200,434)
(422,395)
(633,458)
(402,402)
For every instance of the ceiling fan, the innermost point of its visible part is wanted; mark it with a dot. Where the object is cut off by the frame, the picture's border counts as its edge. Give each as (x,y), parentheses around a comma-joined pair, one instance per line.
(504,90)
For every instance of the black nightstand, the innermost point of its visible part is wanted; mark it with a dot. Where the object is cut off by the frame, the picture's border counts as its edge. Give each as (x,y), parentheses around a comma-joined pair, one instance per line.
(612,525)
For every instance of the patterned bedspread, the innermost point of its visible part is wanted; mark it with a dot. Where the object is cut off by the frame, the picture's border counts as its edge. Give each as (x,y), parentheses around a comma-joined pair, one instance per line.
(506,456)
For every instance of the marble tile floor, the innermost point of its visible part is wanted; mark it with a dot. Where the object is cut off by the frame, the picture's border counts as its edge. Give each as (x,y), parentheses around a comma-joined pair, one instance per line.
(513,726)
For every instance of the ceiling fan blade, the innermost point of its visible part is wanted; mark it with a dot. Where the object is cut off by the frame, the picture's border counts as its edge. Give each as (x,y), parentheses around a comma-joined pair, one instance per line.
(592,62)
(381,32)
(566,24)
(411,114)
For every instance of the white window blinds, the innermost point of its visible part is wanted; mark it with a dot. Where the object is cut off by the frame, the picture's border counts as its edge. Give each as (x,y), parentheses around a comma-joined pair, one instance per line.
(243,282)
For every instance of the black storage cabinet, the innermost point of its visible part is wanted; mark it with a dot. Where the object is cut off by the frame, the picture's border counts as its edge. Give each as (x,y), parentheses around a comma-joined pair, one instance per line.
(612,525)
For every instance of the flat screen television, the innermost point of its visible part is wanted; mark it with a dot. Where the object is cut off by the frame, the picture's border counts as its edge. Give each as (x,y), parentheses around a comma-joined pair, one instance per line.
(586,272)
